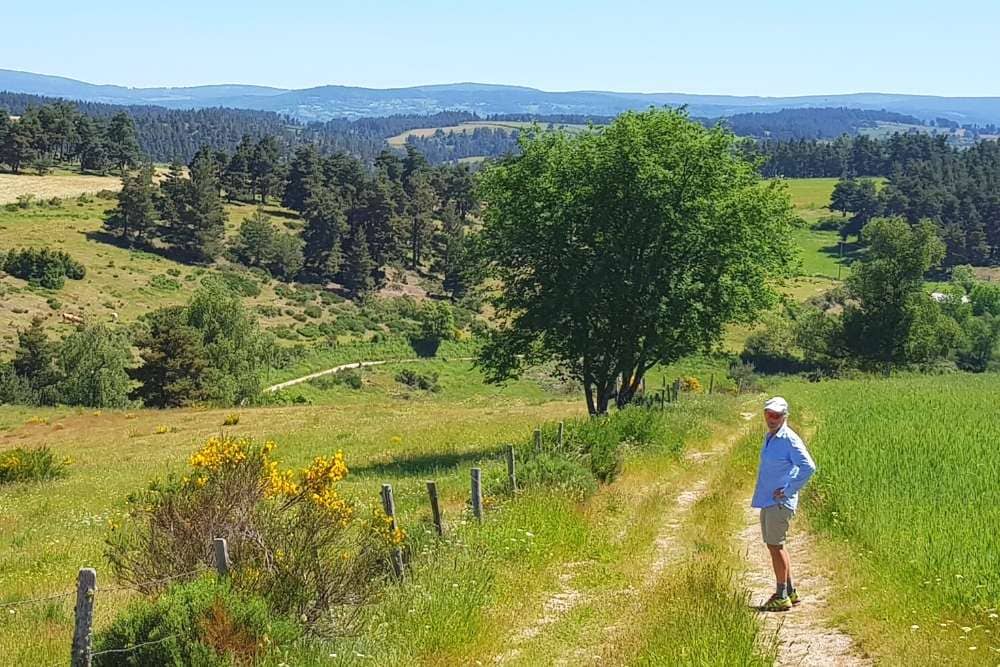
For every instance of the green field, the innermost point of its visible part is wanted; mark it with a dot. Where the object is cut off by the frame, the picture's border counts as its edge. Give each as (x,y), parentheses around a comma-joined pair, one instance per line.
(909,495)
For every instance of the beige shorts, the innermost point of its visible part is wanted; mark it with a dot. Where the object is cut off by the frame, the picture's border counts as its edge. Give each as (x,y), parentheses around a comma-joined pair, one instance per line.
(774,522)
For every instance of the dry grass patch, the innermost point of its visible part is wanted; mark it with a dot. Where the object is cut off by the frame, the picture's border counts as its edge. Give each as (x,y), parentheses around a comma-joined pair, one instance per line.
(13,186)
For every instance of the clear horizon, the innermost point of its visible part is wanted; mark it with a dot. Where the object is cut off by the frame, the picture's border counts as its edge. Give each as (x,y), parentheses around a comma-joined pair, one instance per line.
(771,49)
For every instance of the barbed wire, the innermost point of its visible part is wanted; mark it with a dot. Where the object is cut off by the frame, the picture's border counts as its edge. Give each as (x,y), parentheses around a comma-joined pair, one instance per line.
(44,598)
(143,584)
(132,648)
(100,590)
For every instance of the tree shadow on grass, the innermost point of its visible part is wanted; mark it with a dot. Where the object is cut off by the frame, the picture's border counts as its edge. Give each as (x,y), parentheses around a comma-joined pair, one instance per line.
(424,465)
(852,251)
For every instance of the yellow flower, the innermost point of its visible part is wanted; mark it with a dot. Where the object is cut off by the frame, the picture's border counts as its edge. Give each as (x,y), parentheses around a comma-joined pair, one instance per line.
(324,471)
(334,505)
(219,451)
(279,482)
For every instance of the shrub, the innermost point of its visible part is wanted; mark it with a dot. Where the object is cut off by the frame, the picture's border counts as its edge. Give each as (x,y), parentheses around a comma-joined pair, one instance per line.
(557,471)
(292,538)
(268,310)
(231,419)
(43,266)
(31,465)
(350,377)
(24,201)
(54,303)
(417,380)
(84,199)
(204,622)
(106,194)
(236,282)
(55,202)
(599,441)
(743,375)
(164,283)
(314,312)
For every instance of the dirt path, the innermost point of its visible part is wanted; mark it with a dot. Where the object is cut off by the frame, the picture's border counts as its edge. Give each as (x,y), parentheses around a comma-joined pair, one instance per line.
(667,550)
(805,635)
(344,367)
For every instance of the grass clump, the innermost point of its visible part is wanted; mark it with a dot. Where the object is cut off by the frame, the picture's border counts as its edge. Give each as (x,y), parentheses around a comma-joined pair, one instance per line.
(31,465)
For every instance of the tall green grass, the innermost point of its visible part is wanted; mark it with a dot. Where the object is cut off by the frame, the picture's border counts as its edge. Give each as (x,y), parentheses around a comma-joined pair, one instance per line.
(909,479)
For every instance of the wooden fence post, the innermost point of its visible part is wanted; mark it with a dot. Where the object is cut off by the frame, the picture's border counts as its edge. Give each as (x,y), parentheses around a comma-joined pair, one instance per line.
(711,383)
(559,435)
(221,556)
(677,389)
(511,471)
(477,494)
(432,491)
(389,506)
(538,439)
(86,588)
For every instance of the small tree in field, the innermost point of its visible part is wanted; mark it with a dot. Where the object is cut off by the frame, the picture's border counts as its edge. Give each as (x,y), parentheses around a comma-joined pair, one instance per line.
(624,247)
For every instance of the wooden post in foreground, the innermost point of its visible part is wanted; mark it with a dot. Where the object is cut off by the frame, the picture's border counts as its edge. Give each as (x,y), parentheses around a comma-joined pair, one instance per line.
(711,383)
(538,439)
(432,491)
(559,435)
(86,588)
(221,556)
(477,494)
(511,471)
(389,507)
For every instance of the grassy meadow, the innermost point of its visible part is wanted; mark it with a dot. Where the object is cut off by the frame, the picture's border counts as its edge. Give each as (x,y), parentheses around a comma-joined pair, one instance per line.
(468,594)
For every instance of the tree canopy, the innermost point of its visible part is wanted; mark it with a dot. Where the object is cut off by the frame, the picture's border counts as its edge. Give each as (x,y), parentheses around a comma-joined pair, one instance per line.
(627,246)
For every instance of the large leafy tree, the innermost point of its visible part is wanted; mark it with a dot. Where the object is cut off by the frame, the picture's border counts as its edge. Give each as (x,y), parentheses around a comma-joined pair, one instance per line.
(889,318)
(621,248)
(95,362)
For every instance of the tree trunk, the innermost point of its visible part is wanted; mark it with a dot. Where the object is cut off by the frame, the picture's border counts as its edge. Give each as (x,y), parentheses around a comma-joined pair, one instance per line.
(588,389)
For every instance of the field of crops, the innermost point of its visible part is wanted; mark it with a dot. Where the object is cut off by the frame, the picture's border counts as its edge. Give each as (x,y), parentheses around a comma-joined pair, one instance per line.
(909,482)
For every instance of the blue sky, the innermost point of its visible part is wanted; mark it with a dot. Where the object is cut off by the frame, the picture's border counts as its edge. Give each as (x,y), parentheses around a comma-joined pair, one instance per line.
(751,47)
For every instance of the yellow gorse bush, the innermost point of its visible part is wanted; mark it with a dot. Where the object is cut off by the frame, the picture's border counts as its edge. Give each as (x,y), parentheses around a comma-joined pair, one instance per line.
(219,451)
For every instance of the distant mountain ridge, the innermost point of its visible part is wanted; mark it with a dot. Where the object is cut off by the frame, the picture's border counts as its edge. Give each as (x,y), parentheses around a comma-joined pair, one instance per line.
(328,102)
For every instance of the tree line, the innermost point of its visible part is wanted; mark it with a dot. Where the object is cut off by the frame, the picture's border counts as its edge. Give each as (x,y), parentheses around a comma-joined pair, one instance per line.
(56,133)
(164,135)
(956,190)
(358,220)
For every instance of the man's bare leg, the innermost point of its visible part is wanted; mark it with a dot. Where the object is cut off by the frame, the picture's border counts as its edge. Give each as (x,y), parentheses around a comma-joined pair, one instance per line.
(781,563)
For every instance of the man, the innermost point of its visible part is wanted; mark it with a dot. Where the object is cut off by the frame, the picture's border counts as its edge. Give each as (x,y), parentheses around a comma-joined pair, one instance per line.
(785,466)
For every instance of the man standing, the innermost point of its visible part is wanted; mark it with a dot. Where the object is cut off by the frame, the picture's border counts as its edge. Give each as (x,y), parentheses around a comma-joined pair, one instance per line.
(785,466)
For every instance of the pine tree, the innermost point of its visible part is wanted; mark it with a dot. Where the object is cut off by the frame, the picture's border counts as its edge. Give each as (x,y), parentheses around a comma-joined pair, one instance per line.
(323,235)
(305,176)
(358,264)
(265,167)
(122,142)
(236,180)
(207,216)
(135,216)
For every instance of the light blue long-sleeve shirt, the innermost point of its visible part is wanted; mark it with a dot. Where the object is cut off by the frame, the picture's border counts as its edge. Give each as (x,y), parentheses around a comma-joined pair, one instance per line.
(784,464)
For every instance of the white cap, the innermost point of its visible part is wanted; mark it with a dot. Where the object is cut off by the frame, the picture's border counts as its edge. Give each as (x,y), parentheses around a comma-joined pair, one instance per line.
(777,404)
